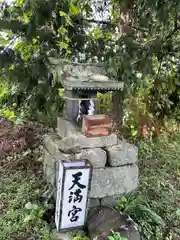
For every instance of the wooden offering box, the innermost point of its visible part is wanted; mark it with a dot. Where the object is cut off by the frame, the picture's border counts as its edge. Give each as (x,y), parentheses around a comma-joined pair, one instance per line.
(97,125)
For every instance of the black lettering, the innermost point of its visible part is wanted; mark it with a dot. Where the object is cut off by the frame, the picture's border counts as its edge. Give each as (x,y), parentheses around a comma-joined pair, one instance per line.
(77,196)
(77,177)
(73,214)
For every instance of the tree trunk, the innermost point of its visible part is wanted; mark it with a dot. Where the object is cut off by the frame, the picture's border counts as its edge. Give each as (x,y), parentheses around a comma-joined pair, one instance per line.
(117,100)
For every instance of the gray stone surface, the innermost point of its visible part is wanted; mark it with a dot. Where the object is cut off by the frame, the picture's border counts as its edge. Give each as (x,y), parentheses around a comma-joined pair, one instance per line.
(103,220)
(93,202)
(96,156)
(65,128)
(74,140)
(110,201)
(113,181)
(77,142)
(122,154)
(83,76)
(69,235)
(51,145)
(49,168)
(62,236)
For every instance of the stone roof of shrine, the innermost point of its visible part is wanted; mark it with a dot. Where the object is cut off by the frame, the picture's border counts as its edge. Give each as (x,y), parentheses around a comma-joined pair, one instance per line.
(83,76)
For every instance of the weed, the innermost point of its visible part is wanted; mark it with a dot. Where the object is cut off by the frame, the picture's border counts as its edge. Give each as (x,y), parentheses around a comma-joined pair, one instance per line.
(22,213)
(155,205)
(116,236)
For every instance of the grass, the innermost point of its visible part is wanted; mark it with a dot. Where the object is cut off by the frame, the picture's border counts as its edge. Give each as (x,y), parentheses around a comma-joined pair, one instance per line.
(21,210)
(23,195)
(153,206)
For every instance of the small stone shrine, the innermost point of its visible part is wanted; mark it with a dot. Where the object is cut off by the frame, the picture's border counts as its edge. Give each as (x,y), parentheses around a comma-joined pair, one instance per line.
(114,161)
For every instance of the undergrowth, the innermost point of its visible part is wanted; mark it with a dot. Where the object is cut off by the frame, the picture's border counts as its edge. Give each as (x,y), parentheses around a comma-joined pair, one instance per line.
(21,211)
(23,195)
(155,206)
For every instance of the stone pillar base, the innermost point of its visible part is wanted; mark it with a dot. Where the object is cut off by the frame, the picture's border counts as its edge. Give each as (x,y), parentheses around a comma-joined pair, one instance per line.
(115,172)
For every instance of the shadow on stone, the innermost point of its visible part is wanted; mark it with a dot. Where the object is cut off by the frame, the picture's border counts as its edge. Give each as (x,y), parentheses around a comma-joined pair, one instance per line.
(103,220)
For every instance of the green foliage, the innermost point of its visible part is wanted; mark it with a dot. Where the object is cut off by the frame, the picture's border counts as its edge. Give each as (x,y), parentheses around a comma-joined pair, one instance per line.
(116,236)
(34,212)
(21,213)
(81,238)
(148,44)
(104,104)
(8,103)
(155,206)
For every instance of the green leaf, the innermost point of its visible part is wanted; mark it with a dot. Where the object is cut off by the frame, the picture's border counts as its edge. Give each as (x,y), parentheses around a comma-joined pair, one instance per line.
(68,21)
(63,45)
(34,41)
(3,92)
(67,39)
(178,212)
(62,30)
(108,36)
(97,33)
(41,212)
(61,92)
(26,17)
(73,10)
(12,67)
(20,3)
(31,206)
(26,58)
(111,238)
(134,133)
(61,13)
(28,218)
(18,121)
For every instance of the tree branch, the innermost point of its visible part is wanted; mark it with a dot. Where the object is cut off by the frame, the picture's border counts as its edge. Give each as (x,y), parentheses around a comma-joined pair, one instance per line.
(112,24)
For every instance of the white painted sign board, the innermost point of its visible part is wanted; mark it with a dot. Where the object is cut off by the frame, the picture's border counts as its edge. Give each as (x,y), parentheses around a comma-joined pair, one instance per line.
(72,194)
(59,194)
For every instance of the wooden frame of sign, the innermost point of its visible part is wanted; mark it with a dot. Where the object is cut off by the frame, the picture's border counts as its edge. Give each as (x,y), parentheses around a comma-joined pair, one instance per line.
(73,185)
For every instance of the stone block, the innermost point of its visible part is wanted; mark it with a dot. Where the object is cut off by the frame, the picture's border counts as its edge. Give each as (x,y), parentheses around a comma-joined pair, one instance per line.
(110,201)
(62,236)
(76,143)
(103,220)
(66,128)
(50,175)
(73,140)
(96,156)
(113,181)
(49,144)
(93,202)
(52,147)
(48,159)
(68,235)
(49,168)
(122,154)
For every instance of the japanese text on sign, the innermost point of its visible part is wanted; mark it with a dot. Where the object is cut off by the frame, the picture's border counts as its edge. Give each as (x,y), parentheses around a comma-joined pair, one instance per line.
(75,197)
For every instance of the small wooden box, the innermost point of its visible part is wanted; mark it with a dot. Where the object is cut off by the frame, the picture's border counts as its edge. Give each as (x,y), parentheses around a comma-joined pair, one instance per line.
(97,125)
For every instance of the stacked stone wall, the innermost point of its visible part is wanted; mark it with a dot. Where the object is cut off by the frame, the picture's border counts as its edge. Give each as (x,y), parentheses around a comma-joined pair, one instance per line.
(115,170)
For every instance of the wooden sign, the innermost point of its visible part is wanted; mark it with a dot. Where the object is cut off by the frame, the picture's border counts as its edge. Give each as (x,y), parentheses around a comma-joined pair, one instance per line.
(72,194)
